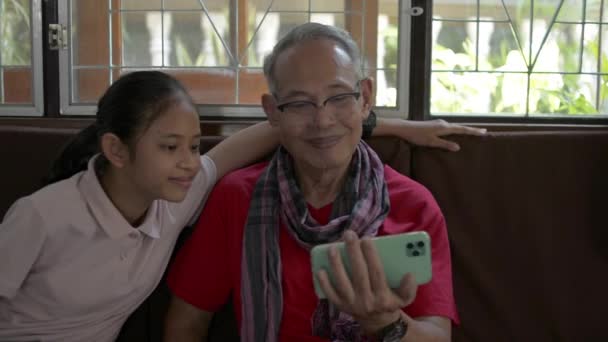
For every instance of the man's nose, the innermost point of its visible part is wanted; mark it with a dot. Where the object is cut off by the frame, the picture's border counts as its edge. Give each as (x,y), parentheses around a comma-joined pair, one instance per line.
(324,116)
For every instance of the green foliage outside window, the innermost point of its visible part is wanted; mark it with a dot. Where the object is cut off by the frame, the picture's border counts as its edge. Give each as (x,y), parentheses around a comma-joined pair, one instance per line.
(460,91)
(15,49)
(512,81)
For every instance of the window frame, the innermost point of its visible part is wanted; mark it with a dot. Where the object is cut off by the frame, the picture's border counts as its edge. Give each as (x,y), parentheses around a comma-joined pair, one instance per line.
(229,112)
(36,108)
(415,49)
(422,110)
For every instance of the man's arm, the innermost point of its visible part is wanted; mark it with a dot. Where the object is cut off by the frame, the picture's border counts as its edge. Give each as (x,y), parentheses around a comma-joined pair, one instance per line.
(368,298)
(430,328)
(185,322)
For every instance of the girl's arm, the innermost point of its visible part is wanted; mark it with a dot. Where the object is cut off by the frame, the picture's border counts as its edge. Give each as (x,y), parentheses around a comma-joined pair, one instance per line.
(244,147)
(254,142)
(22,236)
(425,133)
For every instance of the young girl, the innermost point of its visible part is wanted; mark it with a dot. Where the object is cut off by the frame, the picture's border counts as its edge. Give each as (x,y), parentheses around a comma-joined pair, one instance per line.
(81,254)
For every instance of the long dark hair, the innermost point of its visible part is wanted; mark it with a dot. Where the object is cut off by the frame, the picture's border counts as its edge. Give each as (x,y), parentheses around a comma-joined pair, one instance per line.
(127,108)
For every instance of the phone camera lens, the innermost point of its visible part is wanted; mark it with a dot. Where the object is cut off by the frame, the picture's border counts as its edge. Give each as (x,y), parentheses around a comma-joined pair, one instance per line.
(420,244)
(410,245)
(416,253)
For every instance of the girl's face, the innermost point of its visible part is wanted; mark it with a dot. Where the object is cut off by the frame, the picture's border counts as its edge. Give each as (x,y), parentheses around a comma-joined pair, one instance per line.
(167,156)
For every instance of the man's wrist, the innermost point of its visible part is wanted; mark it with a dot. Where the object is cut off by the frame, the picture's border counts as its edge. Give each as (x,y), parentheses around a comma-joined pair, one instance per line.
(374,326)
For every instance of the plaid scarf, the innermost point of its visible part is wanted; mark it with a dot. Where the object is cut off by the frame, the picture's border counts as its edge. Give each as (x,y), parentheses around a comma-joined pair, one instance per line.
(361,206)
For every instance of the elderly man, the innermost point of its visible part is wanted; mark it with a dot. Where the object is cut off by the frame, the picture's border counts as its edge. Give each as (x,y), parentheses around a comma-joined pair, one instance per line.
(251,245)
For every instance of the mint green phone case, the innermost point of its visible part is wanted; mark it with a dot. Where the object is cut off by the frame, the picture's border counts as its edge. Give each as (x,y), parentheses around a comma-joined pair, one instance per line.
(400,254)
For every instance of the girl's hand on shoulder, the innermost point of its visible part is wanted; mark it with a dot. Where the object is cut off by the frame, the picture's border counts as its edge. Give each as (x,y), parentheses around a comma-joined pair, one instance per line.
(431,133)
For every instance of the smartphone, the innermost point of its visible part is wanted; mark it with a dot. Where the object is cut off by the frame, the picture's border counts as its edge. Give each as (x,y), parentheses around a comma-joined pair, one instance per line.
(400,254)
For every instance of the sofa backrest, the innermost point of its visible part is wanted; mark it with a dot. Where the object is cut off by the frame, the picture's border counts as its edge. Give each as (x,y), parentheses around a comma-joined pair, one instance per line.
(27,154)
(525,214)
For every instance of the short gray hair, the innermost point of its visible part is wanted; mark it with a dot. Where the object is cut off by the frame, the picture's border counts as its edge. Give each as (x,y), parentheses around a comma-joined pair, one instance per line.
(307,32)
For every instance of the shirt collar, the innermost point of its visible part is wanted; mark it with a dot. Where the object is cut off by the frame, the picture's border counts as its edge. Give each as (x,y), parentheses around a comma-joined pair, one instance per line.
(107,215)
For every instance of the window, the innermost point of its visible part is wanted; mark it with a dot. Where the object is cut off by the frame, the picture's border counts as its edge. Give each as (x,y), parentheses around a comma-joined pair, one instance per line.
(20,58)
(216,47)
(525,58)
(472,60)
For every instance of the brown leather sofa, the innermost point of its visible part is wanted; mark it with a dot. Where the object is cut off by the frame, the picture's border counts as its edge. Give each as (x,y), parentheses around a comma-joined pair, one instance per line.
(526,219)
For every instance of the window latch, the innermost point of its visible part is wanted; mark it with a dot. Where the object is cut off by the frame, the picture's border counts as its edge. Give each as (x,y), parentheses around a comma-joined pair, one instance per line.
(415,11)
(58,37)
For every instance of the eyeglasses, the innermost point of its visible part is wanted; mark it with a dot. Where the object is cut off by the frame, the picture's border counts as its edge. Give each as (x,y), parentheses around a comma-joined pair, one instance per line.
(339,103)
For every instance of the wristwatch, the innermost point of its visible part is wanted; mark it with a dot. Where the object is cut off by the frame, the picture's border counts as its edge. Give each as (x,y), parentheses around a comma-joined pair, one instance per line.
(393,332)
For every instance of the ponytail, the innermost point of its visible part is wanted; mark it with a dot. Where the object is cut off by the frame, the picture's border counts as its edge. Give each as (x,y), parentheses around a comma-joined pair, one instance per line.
(75,155)
(127,107)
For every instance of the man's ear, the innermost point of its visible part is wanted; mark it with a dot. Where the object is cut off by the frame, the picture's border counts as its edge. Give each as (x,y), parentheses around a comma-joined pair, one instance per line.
(269,103)
(366,87)
(115,151)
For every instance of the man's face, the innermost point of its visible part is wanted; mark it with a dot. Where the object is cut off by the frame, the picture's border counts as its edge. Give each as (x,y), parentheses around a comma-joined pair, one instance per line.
(307,76)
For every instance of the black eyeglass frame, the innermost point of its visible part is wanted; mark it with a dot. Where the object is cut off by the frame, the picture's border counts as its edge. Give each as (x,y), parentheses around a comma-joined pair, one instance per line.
(355,94)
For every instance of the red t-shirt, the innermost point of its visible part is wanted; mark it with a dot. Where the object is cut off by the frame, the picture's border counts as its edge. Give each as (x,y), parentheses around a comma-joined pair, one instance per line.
(207,270)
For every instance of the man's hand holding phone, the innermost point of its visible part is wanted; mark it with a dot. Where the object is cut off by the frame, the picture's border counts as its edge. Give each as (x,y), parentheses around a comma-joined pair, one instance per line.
(366,294)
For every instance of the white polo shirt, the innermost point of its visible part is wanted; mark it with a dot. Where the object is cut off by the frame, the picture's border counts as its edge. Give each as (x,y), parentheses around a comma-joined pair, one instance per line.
(73,269)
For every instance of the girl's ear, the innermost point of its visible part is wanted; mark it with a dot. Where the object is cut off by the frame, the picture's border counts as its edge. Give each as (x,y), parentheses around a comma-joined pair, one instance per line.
(115,151)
